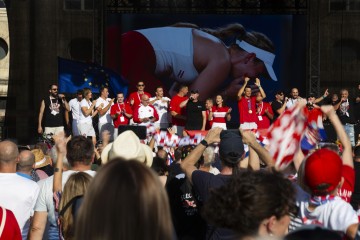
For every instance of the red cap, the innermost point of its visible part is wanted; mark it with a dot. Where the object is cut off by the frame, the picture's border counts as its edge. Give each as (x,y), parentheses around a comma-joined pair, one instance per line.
(323,171)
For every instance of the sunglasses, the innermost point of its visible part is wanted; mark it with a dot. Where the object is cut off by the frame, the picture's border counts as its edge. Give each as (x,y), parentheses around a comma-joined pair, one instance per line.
(54,89)
(141,85)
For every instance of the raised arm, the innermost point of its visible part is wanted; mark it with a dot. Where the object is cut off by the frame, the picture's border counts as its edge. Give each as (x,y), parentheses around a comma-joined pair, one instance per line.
(326,93)
(188,164)
(241,91)
(257,83)
(343,137)
(41,114)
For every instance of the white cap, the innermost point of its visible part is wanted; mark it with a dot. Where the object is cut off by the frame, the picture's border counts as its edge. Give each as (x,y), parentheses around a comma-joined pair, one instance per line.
(263,55)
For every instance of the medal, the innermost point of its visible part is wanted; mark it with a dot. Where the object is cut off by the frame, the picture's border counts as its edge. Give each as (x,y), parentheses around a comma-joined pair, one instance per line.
(250,111)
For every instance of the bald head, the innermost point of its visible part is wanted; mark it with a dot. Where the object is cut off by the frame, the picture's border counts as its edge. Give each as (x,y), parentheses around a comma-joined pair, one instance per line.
(145,100)
(9,152)
(26,160)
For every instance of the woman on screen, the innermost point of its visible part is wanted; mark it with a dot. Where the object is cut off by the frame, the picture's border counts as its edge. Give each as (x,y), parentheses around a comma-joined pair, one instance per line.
(185,54)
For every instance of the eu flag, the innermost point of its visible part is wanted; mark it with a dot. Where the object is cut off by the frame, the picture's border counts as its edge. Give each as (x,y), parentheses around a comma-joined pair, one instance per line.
(74,75)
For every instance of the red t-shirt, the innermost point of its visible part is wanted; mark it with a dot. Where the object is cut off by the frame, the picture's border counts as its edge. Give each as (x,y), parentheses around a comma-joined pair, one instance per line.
(219,114)
(175,106)
(263,120)
(137,98)
(11,227)
(121,118)
(247,109)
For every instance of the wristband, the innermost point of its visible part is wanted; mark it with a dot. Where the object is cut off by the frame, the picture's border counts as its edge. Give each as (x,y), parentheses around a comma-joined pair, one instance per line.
(204,143)
(323,96)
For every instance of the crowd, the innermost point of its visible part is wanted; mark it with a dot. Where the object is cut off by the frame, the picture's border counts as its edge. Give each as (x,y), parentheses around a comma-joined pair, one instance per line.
(120,168)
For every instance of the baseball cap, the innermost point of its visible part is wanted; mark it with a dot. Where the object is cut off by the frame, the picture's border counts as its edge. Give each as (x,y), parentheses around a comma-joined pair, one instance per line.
(323,171)
(231,147)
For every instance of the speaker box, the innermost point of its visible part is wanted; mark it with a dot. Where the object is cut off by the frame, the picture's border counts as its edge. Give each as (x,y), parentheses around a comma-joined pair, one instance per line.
(140,131)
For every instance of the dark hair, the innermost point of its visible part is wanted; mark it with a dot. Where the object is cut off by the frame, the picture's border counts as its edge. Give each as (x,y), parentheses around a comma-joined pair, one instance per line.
(159,166)
(158,88)
(79,149)
(129,200)
(79,92)
(53,84)
(103,87)
(248,199)
(177,154)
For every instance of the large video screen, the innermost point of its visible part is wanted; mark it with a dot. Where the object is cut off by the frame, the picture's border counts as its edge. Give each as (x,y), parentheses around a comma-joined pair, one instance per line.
(287,33)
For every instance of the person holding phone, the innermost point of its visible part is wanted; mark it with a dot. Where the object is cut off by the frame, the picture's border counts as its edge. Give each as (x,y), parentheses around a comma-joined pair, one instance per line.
(145,114)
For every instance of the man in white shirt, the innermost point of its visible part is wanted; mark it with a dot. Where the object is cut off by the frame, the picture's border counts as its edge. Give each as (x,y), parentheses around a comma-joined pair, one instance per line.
(17,193)
(145,114)
(161,105)
(294,98)
(75,109)
(80,155)
(103,104)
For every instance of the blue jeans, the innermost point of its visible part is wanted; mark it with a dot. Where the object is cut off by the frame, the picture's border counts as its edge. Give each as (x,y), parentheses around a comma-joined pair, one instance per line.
(350,131)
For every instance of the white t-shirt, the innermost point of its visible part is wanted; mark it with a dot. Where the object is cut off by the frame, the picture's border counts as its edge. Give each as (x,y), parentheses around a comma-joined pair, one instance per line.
(336,214)
(75,108)
(161,107)
(292,101)
(19,195)
(106,118)
(82,117)
(45,201)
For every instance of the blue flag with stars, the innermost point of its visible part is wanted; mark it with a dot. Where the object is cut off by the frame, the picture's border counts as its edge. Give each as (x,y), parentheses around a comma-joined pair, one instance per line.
(74,75)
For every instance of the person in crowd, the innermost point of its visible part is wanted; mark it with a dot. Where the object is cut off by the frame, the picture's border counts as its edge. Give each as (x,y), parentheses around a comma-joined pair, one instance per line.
(134,98)
(54,108)
(247,105)
(184,203)
(42,165)
(254,204)
(103,105)
(177,112)
(145,114)
(205,163)
(294,97)
(120,112)
(220,114)
(74,105)
(9,228)
(196,57)
(160,167)
(25,166)
(312,100)
(17,193)
(161,104)
(345,110)
(127,146)
(136,199)
(209,105)
(231,152)
(264,112)
(79,152)
(195,112)
(279,104)
(355,198)
(88,111)
(328,179)
(74,189)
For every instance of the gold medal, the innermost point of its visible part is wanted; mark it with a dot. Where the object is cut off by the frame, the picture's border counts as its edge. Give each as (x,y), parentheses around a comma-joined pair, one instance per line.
(250,111)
